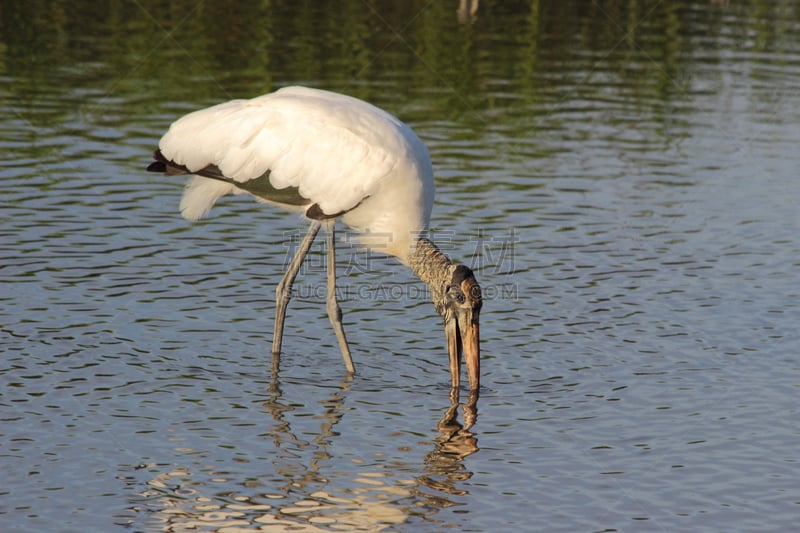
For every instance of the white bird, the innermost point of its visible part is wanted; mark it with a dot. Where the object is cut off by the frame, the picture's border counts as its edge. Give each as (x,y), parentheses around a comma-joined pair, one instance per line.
(328,155)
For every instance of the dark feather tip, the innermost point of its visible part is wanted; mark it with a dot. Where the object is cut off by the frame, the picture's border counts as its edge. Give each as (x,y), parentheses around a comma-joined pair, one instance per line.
(157,166)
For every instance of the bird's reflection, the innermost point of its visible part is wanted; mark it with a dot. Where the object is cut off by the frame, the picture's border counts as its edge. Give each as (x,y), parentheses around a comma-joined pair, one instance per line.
(444,465)
(309,487)
(467,12)
(284,439)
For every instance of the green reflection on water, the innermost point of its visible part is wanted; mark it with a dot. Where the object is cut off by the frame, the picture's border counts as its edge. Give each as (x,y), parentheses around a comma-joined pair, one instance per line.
(520,72)
(379,49)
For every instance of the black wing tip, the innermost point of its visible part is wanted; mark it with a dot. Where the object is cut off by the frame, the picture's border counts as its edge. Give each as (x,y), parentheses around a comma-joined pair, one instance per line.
(160,163)
(315,212)
(157,166)
(166,166)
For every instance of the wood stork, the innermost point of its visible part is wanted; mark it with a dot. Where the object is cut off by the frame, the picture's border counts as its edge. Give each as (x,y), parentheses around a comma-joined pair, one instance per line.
(328,155)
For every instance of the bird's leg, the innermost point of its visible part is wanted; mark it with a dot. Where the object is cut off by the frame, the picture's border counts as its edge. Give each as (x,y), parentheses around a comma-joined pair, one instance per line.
(334,311)
(283,292)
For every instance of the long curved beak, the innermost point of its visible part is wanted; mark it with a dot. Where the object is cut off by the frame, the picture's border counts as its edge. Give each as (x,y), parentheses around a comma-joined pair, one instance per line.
(463,334)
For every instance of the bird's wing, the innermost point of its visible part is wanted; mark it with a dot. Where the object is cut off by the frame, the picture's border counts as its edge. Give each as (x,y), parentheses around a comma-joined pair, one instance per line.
(333,149)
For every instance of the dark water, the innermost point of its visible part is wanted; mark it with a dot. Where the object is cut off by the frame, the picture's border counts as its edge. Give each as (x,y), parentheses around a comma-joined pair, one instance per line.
(621,175)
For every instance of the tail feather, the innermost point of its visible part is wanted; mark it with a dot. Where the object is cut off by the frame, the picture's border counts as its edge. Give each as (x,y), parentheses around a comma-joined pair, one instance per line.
(206,185)
(200,194)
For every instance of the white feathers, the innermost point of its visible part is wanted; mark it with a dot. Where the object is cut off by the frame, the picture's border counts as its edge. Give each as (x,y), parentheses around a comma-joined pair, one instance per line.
(200,196)
(338,151)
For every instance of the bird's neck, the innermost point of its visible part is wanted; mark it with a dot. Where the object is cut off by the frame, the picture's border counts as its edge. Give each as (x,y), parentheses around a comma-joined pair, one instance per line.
(431,266)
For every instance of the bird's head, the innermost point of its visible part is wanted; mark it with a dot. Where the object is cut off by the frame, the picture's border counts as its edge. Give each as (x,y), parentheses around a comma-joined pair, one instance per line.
(460,307)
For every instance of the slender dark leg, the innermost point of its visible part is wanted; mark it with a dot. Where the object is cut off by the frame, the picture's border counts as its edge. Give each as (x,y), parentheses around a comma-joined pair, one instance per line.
(283,292)
(334,311)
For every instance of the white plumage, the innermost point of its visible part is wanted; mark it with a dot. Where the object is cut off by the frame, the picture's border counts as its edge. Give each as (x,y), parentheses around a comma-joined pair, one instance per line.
(341,153)
(331,156)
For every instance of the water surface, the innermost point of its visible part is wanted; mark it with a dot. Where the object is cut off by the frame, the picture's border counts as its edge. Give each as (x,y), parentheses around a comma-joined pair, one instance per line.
(621,176)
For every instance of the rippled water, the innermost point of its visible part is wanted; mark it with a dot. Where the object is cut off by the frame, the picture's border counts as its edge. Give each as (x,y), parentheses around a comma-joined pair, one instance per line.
(622,177)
